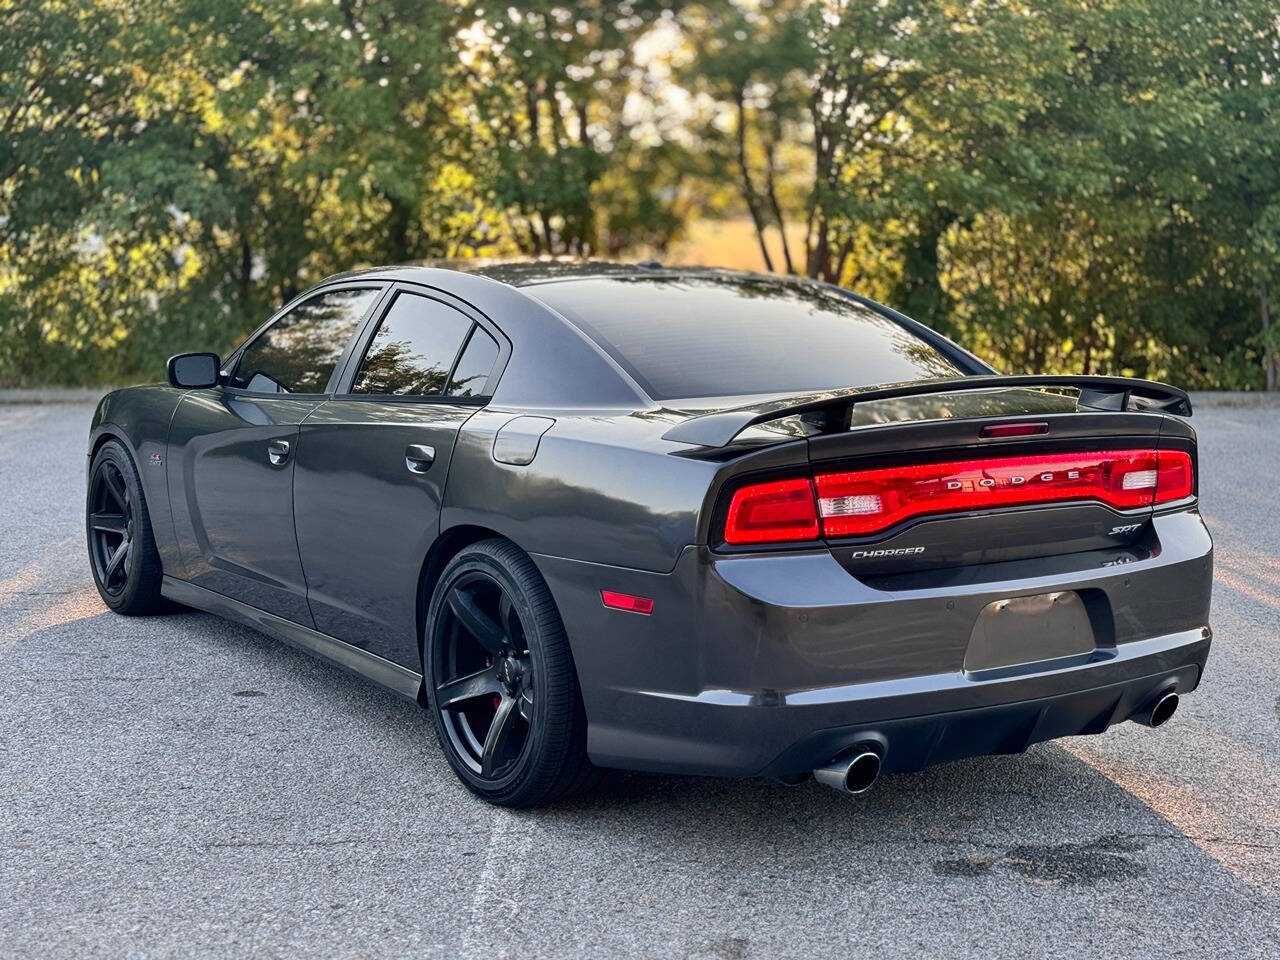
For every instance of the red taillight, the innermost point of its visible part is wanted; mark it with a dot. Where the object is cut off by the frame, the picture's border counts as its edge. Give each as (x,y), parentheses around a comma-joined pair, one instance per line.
(773,512)
(1175,479)
(868,501)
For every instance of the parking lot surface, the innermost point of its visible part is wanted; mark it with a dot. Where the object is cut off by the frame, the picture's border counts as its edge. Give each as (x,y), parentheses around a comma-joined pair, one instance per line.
(182,786)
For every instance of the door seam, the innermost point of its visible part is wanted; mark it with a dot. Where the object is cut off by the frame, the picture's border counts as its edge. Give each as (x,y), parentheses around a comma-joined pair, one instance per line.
(293,512)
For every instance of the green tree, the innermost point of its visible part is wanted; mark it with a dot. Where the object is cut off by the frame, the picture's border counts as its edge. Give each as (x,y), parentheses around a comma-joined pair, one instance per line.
(176,170)
(1059,184)
(552,85)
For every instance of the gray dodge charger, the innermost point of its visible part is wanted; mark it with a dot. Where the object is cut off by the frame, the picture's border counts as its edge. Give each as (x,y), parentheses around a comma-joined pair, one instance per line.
(662,519)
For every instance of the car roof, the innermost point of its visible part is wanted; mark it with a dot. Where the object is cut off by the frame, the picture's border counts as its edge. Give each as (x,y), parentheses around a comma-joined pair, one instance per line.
(543,338)
(524,273)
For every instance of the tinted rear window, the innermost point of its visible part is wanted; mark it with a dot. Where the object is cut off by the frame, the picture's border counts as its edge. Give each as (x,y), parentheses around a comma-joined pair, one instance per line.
(706,336)
(471,375)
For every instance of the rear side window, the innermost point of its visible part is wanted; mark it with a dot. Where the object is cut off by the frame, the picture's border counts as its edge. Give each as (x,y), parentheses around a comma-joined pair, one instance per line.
(474,366)
(722,335)
(297,353)
(413,349)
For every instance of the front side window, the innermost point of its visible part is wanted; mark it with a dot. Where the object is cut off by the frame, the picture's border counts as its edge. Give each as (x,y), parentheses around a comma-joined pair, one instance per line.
(413,349)
(298,353)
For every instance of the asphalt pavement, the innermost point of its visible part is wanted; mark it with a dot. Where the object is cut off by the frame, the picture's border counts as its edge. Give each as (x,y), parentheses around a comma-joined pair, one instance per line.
(179,786)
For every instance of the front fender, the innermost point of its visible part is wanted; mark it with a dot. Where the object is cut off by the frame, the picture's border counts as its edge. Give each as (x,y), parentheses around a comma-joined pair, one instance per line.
(139,417)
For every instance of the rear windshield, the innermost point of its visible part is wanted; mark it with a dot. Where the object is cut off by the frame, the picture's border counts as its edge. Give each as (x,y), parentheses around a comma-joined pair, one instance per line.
(713,336)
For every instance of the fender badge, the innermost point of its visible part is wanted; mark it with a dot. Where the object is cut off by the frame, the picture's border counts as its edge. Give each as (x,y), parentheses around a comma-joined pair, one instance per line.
(156,459)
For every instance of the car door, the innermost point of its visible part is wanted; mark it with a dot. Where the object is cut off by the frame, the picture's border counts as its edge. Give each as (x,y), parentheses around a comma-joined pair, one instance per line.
(372,463)
(232,448)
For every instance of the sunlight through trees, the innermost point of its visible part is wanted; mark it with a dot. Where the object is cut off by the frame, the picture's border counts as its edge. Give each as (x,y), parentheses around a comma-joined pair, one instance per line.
(1061,185)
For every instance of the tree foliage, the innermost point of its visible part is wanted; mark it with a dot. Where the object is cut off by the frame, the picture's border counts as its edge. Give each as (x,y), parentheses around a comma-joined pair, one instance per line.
(1060,184)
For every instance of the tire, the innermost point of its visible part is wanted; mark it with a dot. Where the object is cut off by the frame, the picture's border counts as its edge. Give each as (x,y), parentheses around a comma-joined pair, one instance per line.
(122,550)
(498,671)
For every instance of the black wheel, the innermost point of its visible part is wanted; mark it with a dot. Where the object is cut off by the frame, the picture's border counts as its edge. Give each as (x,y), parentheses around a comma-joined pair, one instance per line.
(122,551)
(500,680)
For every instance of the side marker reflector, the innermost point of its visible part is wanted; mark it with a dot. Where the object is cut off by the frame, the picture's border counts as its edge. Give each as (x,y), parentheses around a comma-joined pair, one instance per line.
(625,601)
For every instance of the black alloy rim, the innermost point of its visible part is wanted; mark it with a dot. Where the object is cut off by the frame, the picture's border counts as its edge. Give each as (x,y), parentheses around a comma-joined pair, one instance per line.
(111,520)
(485,688)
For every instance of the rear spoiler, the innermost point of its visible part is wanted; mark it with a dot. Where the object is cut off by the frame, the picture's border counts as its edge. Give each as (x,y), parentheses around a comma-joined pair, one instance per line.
(1096,393)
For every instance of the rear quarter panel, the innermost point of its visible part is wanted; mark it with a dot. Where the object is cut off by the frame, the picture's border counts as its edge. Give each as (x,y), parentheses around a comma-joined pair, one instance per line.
(602,488)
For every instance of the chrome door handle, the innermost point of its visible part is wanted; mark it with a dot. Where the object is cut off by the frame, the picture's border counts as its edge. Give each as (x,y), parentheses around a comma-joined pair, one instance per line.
(278,452)
(418,457)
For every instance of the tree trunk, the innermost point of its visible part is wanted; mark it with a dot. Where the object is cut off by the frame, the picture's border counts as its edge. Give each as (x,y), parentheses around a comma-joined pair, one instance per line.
(399,219)
(777,207)
(542,230)
(1269,359)
(532,109)
(819,258)
(748,188)
(846,248)
(246,277)
(919,293)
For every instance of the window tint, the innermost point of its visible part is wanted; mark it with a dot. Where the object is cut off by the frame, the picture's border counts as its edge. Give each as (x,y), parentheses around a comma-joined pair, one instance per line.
(298,352)
(709,335)
(473,369)
(414,348)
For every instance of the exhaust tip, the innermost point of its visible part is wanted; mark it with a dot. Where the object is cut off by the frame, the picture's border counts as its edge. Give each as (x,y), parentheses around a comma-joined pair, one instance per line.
(1164,709)
(863,771)
(1159,710)
(853,773)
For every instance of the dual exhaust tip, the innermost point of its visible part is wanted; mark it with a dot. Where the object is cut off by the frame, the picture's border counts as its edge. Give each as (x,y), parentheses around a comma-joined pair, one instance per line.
(855,772)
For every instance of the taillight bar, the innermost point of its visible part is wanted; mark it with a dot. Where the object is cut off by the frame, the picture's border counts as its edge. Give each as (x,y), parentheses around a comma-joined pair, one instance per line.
(862,502)
(868,501)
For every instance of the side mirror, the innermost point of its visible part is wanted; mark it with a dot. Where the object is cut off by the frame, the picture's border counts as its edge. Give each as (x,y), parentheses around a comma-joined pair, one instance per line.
(193,371)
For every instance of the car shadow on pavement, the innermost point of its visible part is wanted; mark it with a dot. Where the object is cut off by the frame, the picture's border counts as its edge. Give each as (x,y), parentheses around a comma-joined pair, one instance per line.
(990,815)
(1019,813)
(202,742)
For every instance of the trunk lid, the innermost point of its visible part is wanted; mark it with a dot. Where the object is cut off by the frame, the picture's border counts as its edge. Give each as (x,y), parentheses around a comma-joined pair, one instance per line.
(991,524)
(981,474)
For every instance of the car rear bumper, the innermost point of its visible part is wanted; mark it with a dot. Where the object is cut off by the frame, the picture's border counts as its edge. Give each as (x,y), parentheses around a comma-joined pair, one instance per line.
(774,664)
